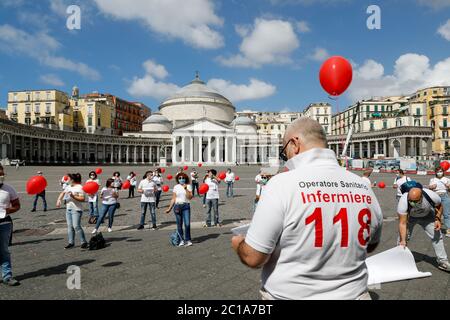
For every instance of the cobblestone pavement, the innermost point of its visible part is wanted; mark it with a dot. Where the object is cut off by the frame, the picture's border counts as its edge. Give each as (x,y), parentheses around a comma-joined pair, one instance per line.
(143,265)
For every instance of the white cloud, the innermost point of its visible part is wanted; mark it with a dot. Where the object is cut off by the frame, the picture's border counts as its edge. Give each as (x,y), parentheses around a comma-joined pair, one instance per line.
(149,86)
(319,55)
(192,21)
(51,79)
(152,85)
(411,72)
(303,27)
(444,30)
(41,47)
(269,42)
(255,90)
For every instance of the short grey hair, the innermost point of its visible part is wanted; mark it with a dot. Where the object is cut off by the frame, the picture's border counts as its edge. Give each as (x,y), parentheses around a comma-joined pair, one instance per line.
(309,131)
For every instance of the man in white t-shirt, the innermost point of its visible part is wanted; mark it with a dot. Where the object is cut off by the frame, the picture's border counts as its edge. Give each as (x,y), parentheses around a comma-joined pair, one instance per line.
(148,188)
(399,180)
(441,184)
(423,207)
(212,199)
(229,179)
(313,226)
(9,204)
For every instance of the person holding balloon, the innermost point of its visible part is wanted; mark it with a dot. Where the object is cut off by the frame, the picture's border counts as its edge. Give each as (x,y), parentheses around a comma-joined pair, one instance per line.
(9,204)
(93,198)
(39,195)
(440,184)
(109,196)
(148,188)
(180,202)
(158,180)
(74,198)
(204,195)
(133,182)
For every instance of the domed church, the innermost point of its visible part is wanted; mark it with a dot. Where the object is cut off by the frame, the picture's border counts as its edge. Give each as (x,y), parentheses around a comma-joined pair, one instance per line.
(198,124)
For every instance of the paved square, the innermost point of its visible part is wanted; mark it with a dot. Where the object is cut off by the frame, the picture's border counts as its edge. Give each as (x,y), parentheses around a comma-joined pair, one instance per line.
(143,265)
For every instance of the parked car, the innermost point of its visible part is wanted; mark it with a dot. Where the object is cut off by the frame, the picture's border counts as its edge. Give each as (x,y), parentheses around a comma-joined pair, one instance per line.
(14,162)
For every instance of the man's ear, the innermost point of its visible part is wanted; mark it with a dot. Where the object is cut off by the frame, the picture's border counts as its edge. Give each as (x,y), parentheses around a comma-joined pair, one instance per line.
(297,145)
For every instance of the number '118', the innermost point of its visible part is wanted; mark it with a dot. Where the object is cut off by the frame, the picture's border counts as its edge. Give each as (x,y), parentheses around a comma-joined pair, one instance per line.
(341,217)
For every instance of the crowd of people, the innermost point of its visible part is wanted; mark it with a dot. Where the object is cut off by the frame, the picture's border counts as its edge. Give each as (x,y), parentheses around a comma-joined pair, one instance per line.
(304,253)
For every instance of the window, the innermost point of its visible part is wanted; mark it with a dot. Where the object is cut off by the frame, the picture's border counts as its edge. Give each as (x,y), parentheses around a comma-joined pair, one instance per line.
(417,122)
(382,108)
(384,124)
(418,111)
(28,96)
(398,122)
(14,108)
(48,107)
(37,108)
(445,123)
(89,121)
(28,121)
(98,122)
(444,110)
(90,109)
(325,129)
(444,134)
(28,108)
(15,97)
(376,108)
(368,109)
(372,126)
(38,96)
(48,95)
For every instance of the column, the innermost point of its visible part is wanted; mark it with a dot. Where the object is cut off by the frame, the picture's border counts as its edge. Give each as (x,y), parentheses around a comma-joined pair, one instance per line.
(217,149)
(234,151)
(200,146)
(368,150)
(360,150)
(128,154)
(143,154)
(47,151)
(209,149)
(227,150)
(120,153)
(337,149)
(104,153)
(256,154)
(79,153)
(183,151)
(191,150)
(150,151)
(135,155)
(31,150)
(22,147)
(112,154)
(174,149)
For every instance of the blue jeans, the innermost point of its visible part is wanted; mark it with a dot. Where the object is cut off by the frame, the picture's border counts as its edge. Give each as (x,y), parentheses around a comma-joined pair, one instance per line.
(230,192)
(158,197)
(5,256)
(109,209)
(152,208)
(93,209)
(445,200)
(212,204)
(194,186)
(183,215)
(36,197)
(73,218)
(204,199)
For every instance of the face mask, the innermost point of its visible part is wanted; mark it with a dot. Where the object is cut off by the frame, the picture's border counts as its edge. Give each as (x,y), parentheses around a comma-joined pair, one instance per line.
(414,204)
(92,177)
(182,181)
(439,174)
(2,179)
(264,181)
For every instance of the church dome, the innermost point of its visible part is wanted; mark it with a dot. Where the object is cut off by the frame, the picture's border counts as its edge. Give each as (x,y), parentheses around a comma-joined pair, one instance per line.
(196,101)
(157,123)
(243,121)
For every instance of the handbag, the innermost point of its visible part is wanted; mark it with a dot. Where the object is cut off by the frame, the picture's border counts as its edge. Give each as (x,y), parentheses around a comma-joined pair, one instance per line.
(117,205)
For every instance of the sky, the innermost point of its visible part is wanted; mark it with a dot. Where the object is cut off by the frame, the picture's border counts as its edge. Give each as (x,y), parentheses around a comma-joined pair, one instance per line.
(263,55)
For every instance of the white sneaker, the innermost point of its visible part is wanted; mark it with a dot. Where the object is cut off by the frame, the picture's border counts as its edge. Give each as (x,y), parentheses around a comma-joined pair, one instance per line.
(181,243)
(188,243)
(109,230)
(94,231)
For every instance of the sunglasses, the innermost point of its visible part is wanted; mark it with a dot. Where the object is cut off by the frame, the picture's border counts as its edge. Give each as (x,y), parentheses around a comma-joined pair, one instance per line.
(283,155)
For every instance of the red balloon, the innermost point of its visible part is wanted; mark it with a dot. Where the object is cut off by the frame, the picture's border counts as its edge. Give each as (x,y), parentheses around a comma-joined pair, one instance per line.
(237,178)
(203,188)
(185,168)
(336,75)
(169,177)
(66,178)
(445,165)
(222,175)
(36,185)
(91,187)
(200,165)
(99,171)
(165,188)
(126,185)
(381,185)
(163,170)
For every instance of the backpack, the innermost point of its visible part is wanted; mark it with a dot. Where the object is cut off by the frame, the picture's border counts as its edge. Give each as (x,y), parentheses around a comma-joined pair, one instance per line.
(175,238)
(97,242)
(408,185)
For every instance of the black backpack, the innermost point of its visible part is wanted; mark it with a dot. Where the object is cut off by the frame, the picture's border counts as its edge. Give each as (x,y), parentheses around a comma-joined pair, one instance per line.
(97,242)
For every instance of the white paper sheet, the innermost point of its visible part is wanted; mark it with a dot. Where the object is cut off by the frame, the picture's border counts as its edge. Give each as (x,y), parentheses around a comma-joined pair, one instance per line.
(2,213)
(393,265)
(241,230)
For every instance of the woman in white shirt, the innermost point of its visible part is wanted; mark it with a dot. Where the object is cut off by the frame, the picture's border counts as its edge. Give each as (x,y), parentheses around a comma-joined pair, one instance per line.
(74,198)
(440,184)
(109,200)
(182,195)
(147,187)
(229,179)
(158,179)
(93,199)
(133,182)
